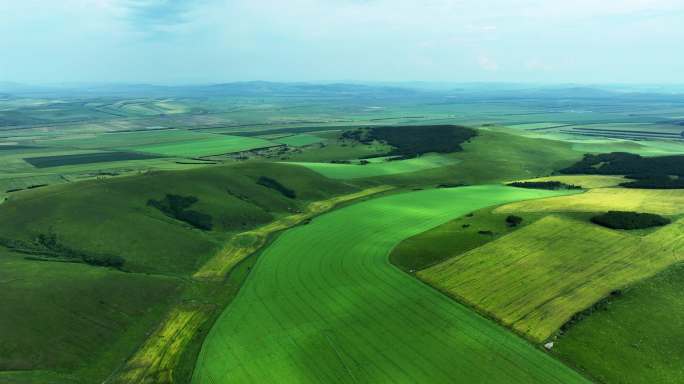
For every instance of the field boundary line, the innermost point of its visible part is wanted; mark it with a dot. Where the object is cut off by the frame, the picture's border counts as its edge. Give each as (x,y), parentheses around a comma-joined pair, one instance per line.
(246,243)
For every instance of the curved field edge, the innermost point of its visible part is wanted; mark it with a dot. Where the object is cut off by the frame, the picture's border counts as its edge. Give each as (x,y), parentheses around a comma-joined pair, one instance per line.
(535,279)
(323,304)
(379,168)
(160,356)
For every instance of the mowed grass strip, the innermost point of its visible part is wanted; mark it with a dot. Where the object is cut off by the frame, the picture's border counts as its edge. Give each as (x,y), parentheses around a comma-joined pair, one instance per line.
(381,168)
(537,278)
(217,145)
(324,305)
(661,201)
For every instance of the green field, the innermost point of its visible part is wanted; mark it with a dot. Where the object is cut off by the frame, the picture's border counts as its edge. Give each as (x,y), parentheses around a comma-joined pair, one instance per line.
(323,304)
(379,167)
(220,144)
(535,279)
(300,140)
(635,337)
(126,139)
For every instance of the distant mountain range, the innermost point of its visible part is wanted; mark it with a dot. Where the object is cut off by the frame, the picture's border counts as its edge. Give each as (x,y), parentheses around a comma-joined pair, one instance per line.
(301,89)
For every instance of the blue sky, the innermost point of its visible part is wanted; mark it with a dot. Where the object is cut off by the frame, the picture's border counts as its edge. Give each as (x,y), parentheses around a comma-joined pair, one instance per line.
(201,41)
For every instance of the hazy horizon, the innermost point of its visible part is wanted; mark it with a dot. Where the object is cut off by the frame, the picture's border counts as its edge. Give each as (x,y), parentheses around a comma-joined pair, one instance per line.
(323,41)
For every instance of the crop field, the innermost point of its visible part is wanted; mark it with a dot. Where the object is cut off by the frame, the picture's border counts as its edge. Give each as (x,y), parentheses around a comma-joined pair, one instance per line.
(127,139)
(643,148)
(300,140)
(198,148)
(85,158)
(666,202)
(538,277)
(634,337)
(339,312)
(379,168)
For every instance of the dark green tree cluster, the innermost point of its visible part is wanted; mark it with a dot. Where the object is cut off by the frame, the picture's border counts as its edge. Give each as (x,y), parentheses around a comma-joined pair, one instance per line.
(655,182)
(629,220)
(551,185)
(47,245)
(275,185)
(513,220)
(663,172)
(176,206)
(360,134)
(414,140)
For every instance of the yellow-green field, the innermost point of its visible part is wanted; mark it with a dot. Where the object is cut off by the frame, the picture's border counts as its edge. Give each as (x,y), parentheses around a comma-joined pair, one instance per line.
(536,278)
(661,201)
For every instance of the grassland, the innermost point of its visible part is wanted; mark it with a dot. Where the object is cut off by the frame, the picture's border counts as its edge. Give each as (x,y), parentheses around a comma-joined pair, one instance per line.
(379,168)
(75,320)
(96,333)
(199,148)
(316,309)
(665,202)
(498,156)
(634,337)
(538,277)
(149,240)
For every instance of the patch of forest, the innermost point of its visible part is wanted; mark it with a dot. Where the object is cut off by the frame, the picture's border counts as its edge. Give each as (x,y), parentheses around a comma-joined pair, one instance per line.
(46,247)
(277,186)
(176,206)
(550,185)
(663,172)
(414,140)
(629,220)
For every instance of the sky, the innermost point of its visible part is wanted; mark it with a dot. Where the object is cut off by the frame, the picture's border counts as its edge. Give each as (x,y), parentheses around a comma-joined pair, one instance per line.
(212,41)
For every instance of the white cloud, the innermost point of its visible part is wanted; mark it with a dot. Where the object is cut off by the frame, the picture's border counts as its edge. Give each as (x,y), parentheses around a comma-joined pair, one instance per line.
(219,40)
(487,63)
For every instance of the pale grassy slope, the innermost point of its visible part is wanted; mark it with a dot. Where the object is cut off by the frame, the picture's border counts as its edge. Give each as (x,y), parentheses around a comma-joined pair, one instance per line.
(380,168)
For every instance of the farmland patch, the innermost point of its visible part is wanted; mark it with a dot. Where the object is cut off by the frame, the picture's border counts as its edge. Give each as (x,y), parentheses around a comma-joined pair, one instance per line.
(86,158)
(324,305)
(538,277)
